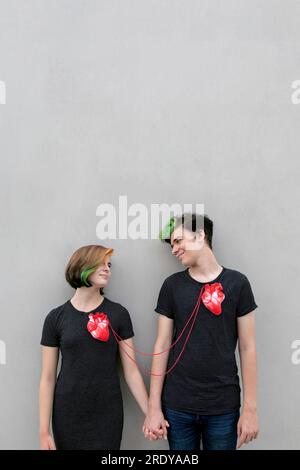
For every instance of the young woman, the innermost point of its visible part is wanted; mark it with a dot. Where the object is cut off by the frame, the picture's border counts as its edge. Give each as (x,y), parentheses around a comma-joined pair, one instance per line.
(85,400)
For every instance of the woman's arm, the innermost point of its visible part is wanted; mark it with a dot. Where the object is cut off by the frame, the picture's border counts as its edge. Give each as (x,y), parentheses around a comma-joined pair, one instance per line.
(133,376)
(135,381)
(47,384)
(248,423)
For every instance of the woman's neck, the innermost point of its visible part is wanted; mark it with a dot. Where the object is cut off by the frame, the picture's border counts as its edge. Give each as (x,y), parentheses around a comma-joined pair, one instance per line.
(86,298)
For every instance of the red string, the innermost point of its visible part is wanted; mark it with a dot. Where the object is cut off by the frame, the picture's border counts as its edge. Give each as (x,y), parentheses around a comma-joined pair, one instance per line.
(171,346)
(194,313)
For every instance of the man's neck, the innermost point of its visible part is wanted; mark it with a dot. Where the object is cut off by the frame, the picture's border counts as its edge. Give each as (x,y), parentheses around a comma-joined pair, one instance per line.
(206,267)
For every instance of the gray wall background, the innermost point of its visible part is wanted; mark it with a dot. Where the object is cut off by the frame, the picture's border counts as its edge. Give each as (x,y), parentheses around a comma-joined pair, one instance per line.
(162,101)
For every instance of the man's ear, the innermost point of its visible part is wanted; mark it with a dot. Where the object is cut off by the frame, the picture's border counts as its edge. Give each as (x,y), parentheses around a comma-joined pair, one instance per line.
(200,235)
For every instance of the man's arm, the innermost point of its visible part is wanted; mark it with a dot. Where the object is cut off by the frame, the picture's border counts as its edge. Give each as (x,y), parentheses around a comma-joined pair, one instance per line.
(155,419)
(248,423)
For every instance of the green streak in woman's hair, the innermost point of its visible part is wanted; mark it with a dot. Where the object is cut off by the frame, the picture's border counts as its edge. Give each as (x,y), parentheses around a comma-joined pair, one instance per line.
(85,274)
(167,231)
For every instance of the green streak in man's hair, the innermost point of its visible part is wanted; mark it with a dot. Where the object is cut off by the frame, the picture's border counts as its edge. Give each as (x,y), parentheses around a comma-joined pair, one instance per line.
(85,274)
(166,232)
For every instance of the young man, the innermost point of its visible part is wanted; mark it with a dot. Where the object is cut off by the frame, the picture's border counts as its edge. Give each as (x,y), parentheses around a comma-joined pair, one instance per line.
(200,397)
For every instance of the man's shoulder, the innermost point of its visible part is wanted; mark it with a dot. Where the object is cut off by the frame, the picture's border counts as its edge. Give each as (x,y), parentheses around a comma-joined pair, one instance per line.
(237,276)
(175,277)
(236,273)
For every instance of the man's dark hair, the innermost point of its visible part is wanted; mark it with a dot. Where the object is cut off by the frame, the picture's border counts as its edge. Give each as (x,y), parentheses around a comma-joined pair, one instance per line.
(193,223)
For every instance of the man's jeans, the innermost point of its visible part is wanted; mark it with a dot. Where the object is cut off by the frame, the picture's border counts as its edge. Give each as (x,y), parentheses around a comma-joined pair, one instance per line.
(217,432)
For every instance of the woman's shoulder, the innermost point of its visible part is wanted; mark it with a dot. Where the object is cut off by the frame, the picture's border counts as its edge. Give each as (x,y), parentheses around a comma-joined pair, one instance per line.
(52,326)
(116,307)
(55,313)
(114,304)
(120,318)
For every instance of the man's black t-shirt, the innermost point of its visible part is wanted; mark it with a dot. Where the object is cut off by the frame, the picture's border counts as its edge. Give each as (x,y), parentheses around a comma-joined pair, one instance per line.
(205,380)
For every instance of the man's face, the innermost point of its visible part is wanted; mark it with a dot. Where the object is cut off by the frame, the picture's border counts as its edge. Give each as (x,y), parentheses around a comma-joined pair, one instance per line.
(186,245)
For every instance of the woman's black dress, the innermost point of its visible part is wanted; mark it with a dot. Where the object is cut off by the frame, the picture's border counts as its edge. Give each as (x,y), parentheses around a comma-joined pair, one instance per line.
(87,406)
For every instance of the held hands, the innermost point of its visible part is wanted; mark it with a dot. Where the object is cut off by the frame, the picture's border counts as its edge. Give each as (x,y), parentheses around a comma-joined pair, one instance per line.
(47,442)
(155,426)
(247,427)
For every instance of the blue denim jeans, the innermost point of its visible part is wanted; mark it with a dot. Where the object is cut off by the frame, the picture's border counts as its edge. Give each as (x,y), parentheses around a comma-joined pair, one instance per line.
(187,430)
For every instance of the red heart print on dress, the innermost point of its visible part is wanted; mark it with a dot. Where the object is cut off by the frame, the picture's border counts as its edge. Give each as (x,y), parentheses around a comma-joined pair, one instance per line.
(98,326)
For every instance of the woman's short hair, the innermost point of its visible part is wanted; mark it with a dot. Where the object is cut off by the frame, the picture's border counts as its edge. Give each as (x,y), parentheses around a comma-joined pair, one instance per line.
(84,262)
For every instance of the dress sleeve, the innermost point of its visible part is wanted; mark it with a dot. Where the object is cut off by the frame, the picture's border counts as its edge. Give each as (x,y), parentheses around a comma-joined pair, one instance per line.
(50,334)
(165,301)
(125,329)
(246,302)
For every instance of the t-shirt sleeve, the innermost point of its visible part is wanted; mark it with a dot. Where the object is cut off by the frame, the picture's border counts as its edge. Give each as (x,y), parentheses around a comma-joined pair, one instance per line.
(50,334)
(246,302)
(125,330)
(165,301)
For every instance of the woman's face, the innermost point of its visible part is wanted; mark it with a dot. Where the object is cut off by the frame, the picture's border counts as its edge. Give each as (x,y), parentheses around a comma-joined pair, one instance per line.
(101,276)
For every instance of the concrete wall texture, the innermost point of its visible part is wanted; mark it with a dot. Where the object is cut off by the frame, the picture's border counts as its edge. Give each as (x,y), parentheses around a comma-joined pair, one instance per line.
(160,101)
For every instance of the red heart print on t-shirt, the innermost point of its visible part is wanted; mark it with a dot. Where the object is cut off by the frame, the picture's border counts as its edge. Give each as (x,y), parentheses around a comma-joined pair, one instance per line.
(213,296)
